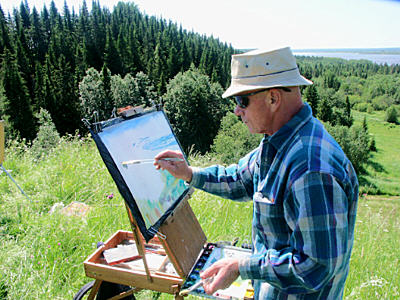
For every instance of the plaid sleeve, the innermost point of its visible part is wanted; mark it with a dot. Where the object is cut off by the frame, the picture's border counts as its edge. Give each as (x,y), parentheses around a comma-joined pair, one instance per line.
(316,211)
(234,182)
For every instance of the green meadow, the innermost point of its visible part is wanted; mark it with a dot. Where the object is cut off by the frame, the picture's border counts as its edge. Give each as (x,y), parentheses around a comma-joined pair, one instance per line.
(383,171)
(42,254)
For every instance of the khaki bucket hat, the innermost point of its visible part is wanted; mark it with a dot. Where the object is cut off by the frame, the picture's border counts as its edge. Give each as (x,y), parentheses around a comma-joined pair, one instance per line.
(260,69)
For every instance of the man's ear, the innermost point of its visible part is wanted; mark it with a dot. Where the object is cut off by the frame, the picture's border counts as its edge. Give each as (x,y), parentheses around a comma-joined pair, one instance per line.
(276,99)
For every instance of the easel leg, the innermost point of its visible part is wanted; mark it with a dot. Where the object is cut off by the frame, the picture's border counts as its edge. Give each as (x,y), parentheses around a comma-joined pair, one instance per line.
(95,289)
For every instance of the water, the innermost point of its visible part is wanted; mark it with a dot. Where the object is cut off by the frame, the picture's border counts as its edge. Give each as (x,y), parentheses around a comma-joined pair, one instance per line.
(390,59)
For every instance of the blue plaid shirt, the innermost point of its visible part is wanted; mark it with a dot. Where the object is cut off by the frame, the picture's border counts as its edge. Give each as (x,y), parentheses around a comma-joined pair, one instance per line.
(304,191)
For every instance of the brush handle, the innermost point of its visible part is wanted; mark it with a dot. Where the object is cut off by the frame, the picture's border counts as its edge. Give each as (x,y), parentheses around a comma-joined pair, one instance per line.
(149,160)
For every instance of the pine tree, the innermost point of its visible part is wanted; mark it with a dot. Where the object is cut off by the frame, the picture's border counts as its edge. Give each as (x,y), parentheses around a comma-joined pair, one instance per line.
(108,99)
(312,98)
(134,63)
(37,36)
(18,108)
(112,58)
(324,111)
(348,116)
(5,41)
(24,12)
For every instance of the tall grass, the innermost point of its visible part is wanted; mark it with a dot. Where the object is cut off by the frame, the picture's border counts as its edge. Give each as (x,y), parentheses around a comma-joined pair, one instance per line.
(375,260)
(42,254)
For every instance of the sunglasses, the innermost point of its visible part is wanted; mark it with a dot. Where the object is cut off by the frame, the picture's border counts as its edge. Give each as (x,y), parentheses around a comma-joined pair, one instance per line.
(243,100)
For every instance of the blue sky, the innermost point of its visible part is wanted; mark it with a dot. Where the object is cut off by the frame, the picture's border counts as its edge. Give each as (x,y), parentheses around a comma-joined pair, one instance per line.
(270,23)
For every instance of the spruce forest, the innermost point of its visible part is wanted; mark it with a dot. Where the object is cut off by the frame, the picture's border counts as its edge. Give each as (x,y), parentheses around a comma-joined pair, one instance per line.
(45,55)
(58,67)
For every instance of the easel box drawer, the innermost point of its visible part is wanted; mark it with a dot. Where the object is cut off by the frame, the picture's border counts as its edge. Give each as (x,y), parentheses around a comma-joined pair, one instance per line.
(96,267)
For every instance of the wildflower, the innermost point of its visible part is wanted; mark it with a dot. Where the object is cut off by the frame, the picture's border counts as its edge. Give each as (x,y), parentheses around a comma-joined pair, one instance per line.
(59,244)
(110,196)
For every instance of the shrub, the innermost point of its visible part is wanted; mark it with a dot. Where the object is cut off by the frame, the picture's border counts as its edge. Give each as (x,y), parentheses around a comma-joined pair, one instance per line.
(391,115)
(382,102)
(363,107)
(233,140)
(354,142)
(47,137)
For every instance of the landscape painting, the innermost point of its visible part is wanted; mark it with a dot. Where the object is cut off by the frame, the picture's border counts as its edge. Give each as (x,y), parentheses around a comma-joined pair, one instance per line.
(141,139)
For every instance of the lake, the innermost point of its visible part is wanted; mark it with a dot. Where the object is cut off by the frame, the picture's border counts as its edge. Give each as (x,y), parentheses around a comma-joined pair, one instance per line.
(390,59)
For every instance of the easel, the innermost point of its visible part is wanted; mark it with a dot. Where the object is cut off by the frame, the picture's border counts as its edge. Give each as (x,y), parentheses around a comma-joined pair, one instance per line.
(182,238)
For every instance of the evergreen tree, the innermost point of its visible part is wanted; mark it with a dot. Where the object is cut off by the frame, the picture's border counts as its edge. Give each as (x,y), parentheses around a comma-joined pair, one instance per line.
(112,58)
(348,118)
(108,103)
(37,36)
(312,98)
(18,107)
(325,110)
(5,41)
(47,137)
(24,13)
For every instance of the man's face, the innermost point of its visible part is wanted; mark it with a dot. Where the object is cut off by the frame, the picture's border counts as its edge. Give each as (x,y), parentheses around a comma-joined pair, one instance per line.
(257,115)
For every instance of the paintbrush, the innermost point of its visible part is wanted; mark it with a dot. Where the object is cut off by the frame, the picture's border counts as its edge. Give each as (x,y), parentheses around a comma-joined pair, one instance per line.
(191,288)
(149,160)
(195,286)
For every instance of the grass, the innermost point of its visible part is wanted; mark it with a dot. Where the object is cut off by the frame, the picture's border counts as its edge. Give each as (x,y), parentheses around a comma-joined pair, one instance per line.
(383,170)
(375,259)
(42,254)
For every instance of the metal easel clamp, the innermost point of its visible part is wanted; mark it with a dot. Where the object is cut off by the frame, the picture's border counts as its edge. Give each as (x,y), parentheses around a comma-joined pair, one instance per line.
(159,234)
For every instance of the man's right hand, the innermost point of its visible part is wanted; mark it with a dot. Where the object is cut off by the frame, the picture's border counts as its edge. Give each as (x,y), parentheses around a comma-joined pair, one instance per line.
(178,169)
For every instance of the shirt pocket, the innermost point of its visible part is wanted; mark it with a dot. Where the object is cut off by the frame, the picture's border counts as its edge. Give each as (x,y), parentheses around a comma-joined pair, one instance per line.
(266,207)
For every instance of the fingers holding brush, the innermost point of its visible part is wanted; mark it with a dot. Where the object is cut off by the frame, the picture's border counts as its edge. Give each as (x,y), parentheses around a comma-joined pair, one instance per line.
(174,163)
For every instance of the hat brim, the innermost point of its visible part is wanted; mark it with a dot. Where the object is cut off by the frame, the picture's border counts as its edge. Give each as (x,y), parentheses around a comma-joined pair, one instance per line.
(240,85)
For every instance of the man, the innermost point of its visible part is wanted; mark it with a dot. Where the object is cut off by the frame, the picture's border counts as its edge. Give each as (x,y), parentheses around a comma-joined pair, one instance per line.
(303,187)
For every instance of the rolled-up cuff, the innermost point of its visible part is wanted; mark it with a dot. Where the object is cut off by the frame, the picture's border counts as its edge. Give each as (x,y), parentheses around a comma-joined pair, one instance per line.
(246,267)
(196,181)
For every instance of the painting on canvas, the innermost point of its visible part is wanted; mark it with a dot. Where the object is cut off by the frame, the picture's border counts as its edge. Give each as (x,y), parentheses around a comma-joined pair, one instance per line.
(141,138)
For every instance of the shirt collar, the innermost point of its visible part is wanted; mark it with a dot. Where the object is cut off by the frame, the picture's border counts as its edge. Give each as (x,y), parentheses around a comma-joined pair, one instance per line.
(287,131)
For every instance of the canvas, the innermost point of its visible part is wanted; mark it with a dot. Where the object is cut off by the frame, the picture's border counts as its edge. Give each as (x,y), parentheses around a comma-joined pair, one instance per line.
(154,192)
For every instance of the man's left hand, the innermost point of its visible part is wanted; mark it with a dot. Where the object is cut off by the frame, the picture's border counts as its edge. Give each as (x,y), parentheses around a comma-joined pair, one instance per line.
(223,272)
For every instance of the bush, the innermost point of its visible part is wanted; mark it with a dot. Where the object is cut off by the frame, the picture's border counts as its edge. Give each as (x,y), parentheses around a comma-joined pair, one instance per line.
(355,142)
(47,137)
(382,102)
(363,107)
(391,115)
(233,140)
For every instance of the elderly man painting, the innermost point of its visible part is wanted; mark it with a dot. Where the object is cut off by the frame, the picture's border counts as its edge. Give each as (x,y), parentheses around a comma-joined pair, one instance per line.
(303,187)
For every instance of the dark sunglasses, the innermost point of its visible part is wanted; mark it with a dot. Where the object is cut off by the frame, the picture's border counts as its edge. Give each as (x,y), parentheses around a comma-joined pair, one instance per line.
(243,100)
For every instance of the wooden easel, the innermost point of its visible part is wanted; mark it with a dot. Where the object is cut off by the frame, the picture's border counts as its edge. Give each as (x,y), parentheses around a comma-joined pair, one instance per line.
(182,239)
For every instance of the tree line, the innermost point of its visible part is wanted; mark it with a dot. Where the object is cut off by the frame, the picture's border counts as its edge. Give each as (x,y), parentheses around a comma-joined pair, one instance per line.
(57,68)
(45,55)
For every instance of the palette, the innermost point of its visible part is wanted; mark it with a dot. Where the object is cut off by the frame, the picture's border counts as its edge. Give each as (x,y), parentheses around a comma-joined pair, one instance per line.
(212,252)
